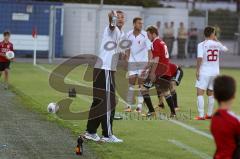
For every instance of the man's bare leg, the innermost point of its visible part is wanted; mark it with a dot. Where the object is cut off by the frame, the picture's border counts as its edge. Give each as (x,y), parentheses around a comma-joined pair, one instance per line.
(160,99)
(6,74)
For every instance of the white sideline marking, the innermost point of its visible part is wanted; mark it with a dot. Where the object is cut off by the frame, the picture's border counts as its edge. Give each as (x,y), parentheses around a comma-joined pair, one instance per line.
(190,149)
(192,129)
(75,82)
(188,127)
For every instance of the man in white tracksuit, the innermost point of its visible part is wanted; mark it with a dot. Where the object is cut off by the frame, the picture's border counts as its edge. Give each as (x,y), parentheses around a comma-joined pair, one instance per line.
(103,107)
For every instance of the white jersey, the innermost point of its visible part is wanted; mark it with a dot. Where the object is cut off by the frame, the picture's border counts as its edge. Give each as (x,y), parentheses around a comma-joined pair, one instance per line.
(109,49)
(209,51)
(140,46)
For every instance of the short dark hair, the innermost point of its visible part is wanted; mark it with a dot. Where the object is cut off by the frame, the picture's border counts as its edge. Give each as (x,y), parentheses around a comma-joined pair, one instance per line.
(208,31)
(152,29)
(136,19)
(6,33)
(120,12)
(224,88)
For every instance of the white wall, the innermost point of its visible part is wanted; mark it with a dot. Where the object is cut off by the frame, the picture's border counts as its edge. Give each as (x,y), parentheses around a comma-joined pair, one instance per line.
(81,23)
(26,42)
(79,29)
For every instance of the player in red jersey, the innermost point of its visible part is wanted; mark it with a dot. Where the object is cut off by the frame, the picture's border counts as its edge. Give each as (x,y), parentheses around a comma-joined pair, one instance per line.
(5,46)
(162,73)
(225,125)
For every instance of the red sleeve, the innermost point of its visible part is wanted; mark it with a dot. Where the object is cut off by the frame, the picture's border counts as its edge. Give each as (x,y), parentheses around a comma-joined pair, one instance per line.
(11,48)
(238,127)
(0,48)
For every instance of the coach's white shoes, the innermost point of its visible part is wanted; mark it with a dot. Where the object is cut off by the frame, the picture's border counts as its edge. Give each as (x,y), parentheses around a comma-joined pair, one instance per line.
(111,139)
(93,137)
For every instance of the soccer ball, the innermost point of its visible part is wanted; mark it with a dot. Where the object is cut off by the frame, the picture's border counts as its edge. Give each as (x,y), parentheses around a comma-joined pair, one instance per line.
(52,108)
(10,55)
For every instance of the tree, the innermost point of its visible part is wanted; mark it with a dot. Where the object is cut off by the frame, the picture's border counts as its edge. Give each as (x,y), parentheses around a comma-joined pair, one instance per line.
(238,6)
(144,3)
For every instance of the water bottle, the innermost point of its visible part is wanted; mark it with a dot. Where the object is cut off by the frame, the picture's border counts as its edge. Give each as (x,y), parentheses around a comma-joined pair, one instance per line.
(79,147)
(114,19)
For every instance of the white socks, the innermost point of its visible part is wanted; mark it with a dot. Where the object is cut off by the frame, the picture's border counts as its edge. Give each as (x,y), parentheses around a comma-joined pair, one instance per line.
(130,95)
(140,100)
(200,104)
(210,105)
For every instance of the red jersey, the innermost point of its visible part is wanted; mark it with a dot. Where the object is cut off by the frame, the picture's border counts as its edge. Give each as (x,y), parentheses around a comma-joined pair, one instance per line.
(173,69)
(225,128)
(159,49)
(5,47)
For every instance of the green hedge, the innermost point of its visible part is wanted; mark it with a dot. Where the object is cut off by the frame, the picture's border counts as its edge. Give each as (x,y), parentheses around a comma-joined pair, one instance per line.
(226,20)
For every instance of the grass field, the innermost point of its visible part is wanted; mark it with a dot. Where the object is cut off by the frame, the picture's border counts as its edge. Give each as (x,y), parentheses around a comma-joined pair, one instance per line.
(162,139)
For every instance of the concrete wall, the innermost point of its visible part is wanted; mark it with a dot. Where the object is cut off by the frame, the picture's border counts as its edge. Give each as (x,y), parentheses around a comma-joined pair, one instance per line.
(84,24)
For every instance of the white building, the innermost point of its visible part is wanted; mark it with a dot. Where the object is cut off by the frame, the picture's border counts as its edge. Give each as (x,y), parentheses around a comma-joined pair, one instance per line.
(83,24)
(202,5)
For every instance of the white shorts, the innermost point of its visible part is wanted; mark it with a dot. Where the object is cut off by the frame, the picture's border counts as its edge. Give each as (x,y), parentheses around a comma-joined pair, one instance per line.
(137,72)
(205,82)
(136,68)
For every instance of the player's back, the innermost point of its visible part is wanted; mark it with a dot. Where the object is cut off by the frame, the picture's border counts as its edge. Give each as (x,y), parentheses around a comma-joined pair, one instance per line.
(159,48)
(225,127)
(209,51)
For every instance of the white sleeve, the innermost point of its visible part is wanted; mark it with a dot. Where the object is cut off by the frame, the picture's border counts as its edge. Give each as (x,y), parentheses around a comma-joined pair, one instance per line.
(148,44)
(222,47)
(200,51)
(105,32)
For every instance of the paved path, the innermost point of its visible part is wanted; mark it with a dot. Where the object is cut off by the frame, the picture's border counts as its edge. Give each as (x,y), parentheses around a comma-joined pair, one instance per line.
(26,135)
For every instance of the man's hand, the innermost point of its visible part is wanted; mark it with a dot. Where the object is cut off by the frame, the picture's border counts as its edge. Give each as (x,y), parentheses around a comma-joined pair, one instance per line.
(13,60)
(197,75)
(110,16)
(3,55)
(143,73)
(199,62)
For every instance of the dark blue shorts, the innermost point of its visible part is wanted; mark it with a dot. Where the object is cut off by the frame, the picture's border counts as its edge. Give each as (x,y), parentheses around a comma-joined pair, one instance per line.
(4,65)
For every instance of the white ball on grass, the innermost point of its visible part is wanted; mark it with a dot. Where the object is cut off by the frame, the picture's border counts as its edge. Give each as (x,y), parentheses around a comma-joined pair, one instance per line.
(52,108)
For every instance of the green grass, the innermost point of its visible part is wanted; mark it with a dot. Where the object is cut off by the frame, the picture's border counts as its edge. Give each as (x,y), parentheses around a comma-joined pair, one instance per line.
(142,138)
